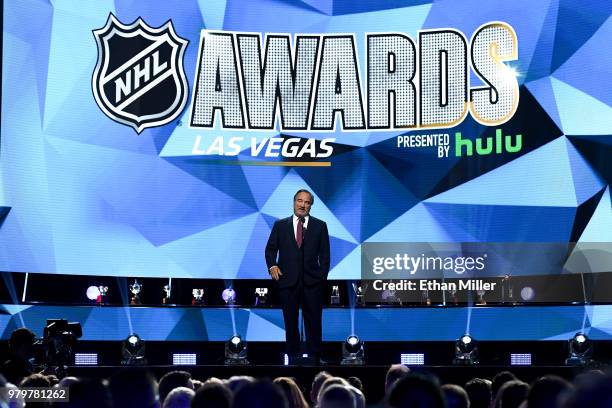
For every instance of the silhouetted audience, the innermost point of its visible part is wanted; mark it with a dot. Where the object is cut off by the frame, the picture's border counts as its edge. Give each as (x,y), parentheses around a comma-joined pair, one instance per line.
(260,394)
(415,391)
(356,382)
(318,380)
(21,349)
(479,392)
(87,393)
(455,396)
(548,392)
(336,396)
(395,372)
(294,395)
(179,397)
(511,394)
(594,393)
(500,379)
(133,388)
(212,394)
(172,380)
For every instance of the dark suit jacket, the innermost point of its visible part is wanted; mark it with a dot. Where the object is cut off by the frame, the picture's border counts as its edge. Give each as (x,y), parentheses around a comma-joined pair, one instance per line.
(316,256)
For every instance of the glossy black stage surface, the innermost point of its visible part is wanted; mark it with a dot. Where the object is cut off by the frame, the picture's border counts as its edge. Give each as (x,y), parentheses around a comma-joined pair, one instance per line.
(372,376)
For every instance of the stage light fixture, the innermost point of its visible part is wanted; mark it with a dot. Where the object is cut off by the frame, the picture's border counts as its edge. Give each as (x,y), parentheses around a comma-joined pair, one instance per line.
(236,351)
(466,350)
(261,296)
(580,350)
(184,359)
(229,296)
(352,351)
(133,351)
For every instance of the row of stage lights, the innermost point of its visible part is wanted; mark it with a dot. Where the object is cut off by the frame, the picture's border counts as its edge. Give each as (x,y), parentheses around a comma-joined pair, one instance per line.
(353,353)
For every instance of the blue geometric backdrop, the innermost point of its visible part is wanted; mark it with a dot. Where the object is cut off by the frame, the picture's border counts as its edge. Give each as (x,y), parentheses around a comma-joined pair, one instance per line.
(82,194)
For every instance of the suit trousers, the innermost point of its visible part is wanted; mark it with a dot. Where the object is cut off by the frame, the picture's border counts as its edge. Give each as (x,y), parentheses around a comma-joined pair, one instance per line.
(311,299)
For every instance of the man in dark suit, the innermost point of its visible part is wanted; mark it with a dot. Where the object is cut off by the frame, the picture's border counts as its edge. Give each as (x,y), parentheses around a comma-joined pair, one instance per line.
(301,243)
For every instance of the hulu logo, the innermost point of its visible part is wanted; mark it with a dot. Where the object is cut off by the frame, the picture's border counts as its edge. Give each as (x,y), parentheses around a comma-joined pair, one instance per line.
(487,145)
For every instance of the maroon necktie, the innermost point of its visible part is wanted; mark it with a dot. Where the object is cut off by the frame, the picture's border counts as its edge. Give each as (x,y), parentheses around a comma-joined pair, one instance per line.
(300,232)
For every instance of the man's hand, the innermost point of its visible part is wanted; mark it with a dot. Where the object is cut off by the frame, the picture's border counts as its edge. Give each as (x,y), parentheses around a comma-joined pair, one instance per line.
(275,272)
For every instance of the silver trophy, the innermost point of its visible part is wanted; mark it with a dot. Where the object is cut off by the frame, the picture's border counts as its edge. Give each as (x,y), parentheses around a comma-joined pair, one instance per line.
(481,299)
(454,296)
(507,290)
(359,290)
(335,296)
(261,296)
(166,294)
(198,296)
(135,288)
(102,296)
(425,299)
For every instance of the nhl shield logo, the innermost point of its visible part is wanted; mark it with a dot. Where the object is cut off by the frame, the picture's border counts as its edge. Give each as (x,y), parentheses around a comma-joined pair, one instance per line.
(139,79)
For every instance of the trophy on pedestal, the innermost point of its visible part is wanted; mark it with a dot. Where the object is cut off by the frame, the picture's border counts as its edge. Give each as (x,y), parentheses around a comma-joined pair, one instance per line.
(102,296)
(261,296)
(335,296)
(425,299)
(166,295)
(360,290)
(481,299)
(198,297)
(507,294)
(454,296)
(135,288)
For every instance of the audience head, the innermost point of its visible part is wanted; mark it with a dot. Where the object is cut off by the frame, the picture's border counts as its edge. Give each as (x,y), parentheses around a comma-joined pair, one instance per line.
(180,397)
(455,396)
(595,393)
(87,393)
(415,391)
(511,394)
(260,394)
(21,342)
(319,379)
(394,373)
(134,387)
(35,380)
(479,392)
(545,392)
(500,379)
(360,401)
(355,382)
(336,396)
(212,394)
(292,392)
(329,382)
(238,381)
(172,380)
